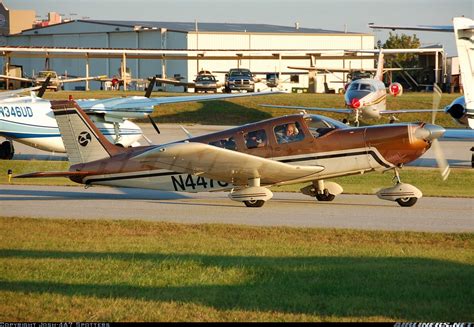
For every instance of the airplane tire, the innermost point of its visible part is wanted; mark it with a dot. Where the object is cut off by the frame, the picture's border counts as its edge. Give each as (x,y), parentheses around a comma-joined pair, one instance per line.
(325,197)
(7,150)
(407,202)
(254,203)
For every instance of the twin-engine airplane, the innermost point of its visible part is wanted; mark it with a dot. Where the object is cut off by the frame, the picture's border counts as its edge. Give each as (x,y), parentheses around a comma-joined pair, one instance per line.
(365,97)
(29,119)
(246,160)
(461,109)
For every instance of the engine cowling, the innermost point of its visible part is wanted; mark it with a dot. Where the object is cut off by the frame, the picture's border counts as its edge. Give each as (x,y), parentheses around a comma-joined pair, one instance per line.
(395,89)
(457,110)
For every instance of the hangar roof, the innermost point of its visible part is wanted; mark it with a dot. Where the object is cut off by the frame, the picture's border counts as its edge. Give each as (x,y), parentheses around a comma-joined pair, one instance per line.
(215,27)
(191,27)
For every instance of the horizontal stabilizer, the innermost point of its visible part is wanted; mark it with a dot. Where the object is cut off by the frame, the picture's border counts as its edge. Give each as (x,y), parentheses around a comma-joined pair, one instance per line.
(56,174)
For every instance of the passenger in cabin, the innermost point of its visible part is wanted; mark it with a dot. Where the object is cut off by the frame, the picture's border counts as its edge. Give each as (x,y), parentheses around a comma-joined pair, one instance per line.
(255,139)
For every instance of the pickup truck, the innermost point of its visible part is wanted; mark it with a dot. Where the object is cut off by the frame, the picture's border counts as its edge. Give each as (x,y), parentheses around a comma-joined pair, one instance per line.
(239,79)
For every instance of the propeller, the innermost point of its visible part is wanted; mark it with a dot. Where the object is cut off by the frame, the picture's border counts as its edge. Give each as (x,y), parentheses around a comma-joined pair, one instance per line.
(44,86)
(149,89)
(154,125)
(443,164)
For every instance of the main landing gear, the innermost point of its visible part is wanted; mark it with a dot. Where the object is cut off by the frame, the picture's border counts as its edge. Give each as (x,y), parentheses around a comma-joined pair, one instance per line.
(253,196)
(405,195)
(7,150)
(322,191)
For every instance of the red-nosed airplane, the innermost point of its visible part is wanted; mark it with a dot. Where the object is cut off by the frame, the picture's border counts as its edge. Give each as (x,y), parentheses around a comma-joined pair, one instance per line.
(461,109)
(246,160)
(366,97)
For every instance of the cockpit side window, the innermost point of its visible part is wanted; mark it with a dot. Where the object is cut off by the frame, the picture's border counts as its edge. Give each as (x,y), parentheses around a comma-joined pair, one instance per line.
(353,87)
(288,133)
(255,139)
(227,143)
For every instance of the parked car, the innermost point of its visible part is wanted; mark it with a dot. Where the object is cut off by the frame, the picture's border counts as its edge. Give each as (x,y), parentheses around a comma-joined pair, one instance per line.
(206,83)
(239,79)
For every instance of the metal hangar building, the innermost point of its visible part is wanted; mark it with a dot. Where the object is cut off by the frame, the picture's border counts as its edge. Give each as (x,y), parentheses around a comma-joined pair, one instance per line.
(192,36)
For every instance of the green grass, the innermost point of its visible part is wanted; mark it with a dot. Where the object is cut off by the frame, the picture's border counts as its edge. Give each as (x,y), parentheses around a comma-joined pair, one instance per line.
(64,270)
(248,109)
(459,184)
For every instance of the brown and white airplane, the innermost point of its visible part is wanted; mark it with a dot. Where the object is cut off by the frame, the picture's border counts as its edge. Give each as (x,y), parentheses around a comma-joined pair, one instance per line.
(246,160)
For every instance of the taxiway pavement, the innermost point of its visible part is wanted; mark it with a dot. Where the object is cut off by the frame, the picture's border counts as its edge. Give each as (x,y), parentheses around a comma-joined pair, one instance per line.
(366,212)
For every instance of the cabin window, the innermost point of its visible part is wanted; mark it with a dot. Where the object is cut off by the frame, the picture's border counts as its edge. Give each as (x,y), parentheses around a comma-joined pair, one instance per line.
(255,139)
(227,143)
(288,133)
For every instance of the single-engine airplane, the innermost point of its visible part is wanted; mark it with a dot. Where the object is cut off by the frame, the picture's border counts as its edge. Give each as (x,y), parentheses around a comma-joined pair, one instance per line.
(246,160)
(29,119)
(462,108)
(365,97)
(55,81)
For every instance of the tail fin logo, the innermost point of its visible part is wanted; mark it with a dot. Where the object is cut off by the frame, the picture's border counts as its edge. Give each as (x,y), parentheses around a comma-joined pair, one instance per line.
(84,138)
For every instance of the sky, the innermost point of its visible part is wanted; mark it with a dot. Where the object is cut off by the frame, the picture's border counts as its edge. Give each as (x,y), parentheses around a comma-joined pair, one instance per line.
(332,14)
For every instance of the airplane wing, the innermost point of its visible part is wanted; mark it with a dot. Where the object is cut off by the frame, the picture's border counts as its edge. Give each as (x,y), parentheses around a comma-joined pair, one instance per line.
(139,106)
(141,102)
(23,79)
(332,70)
(174,82)
(432,28)
(222,164)
(80,79)
(459,134)
(8,94)
(337,110)
(407,111)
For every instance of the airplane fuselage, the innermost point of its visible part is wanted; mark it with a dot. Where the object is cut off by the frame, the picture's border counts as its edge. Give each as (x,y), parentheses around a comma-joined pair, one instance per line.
(30,121)
(322,141)
(367,96)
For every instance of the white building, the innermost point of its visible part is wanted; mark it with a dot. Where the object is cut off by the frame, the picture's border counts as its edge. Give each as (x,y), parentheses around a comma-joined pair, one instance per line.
(187,36)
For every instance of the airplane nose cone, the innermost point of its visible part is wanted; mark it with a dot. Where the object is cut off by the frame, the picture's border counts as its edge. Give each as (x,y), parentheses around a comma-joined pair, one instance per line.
(430,132)
(355,103)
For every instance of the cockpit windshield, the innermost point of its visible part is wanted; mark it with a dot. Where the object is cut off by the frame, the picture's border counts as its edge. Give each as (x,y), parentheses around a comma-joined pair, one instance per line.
(320,125)
(361,87)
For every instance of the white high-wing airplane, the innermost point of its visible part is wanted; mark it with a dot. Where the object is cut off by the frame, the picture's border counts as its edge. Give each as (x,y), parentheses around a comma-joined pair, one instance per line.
(461,109)
(55,81)
(29,119)
(366,97)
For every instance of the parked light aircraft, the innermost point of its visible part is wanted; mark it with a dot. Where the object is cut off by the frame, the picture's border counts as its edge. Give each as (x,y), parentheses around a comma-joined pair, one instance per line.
(205,81)
(55,83)
(365,97)
(461,109)
(29,120)
(245,160)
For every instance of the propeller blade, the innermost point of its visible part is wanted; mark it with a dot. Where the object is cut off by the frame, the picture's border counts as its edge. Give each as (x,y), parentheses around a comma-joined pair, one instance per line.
(149,89)
(436,101)
(44,86)
(154,125)
(441,160)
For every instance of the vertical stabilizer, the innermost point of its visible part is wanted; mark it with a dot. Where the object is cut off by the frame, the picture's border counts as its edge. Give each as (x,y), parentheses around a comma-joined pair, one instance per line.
(380,63)
(81,138)
(464,33)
